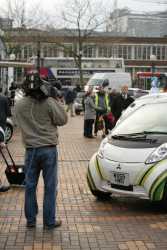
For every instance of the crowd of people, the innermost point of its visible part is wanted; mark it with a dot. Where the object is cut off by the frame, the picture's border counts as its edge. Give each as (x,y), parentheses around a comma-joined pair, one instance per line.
(102,109)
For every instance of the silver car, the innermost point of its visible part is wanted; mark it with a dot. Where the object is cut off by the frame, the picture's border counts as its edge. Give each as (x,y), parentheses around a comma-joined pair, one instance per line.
(9,129)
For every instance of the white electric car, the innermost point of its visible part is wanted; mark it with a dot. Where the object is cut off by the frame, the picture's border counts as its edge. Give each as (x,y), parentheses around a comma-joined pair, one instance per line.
(132,160)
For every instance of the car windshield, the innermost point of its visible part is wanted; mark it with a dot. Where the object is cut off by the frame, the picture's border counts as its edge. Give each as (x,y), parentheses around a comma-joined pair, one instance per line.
(97,82)
(148,118)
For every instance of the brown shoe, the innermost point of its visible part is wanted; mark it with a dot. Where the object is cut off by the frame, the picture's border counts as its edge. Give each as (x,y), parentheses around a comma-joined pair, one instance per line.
(52,226)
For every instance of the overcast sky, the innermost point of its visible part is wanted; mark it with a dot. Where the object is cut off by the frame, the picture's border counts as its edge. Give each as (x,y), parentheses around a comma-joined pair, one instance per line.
(136,5)
(52,9)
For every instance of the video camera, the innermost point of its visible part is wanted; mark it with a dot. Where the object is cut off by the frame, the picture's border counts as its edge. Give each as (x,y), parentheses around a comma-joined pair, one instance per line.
(33,85)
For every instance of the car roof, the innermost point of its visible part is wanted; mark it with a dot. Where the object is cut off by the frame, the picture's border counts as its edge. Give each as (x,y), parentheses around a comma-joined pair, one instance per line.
(144,100)
(138,89)
(155,97)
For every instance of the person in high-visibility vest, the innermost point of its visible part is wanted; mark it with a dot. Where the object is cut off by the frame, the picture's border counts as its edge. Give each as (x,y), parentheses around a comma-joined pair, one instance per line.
(102,103)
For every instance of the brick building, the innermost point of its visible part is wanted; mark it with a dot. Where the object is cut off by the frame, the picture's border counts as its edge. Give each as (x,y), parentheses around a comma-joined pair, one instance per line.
(139,53)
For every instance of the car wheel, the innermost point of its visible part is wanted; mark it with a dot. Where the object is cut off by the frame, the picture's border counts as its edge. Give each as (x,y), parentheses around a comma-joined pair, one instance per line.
(77,112)
(164,199)
(8,132)
(99,194)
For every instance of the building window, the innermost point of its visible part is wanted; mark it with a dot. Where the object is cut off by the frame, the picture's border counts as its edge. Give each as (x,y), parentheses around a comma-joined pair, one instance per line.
(55,51)
(148,53)
(163,53)
(45,54)
(103,51)
(89,50)
(25,52)
(140,52)
(158,52)
(68,48)
(115,50)
(125,52)
(129,52)
(154,50)
(120,53)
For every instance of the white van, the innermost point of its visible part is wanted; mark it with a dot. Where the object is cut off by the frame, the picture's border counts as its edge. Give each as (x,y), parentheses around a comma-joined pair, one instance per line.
(114,80)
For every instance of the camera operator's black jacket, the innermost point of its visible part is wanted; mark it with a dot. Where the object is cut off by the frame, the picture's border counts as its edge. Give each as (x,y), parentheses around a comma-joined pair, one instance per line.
(4,110)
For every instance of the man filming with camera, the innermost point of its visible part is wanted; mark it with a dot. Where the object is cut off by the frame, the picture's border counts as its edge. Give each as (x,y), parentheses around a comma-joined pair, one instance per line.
(38,115)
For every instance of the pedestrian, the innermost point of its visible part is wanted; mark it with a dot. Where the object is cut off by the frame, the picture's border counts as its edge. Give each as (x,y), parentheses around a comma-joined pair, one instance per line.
(4,113)
(89,113)
(38,116)
(69,101)
(102,106)
(154,85)
(12,90)
(121,102)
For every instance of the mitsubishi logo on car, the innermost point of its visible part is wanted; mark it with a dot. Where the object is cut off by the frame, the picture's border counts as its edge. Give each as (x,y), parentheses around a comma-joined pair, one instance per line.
(119,166)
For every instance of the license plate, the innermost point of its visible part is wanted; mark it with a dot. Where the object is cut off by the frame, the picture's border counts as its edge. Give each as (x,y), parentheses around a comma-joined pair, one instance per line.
(120,178)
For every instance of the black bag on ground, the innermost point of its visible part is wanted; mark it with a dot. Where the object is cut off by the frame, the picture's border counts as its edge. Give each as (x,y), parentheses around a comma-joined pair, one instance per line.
(14,173)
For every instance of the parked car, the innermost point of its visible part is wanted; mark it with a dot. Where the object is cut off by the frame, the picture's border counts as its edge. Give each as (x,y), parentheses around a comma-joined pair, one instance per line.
(132,160)
(9,129)
(18,94)
(78,103)
(136,92)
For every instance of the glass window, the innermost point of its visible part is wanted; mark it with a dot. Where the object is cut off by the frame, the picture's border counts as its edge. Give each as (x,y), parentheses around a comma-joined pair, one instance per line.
(144,53)
(158,52)
(103,52)
(154,50)
(115,51)
(45,54)
(120,53)
(148,53)
(68,50)
(125,52)
(129,52)
(154,120)
(89,50)
(25,52)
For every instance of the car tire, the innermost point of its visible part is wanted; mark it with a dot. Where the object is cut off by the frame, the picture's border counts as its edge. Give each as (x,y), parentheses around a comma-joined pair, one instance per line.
(77,112)
(8,132)
(164,199)
(100,195)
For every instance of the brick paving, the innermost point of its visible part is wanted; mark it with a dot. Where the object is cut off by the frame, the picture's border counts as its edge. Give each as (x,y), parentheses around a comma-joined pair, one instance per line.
(117,224)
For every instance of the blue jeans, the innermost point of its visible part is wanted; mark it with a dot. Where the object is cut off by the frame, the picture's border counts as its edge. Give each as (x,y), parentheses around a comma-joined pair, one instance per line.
(37,159)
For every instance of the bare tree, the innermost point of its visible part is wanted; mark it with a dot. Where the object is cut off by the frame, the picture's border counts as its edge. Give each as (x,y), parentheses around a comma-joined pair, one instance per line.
(82,19)
(25,16)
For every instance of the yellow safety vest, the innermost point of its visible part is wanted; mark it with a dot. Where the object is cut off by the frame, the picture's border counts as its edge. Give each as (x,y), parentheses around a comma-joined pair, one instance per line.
(106,101)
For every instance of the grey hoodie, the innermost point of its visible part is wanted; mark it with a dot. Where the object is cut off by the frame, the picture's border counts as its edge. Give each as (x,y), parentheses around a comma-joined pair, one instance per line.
(38,121)
(90,108)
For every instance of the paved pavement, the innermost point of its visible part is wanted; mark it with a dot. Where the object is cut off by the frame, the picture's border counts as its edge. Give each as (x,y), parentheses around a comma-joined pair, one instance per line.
(120,223)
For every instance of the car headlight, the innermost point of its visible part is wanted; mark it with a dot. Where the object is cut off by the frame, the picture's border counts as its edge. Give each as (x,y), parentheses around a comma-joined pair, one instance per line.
(159,154)
(100,152)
